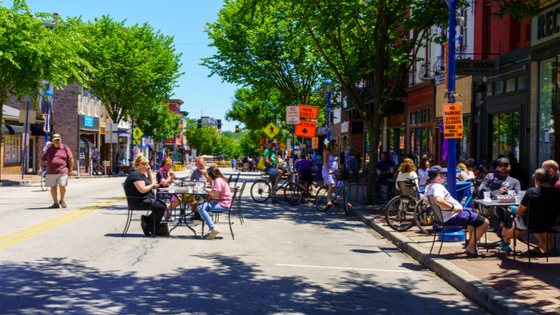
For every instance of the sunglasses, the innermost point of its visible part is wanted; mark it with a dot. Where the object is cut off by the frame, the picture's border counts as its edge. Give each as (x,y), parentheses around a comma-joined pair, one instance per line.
(503,165)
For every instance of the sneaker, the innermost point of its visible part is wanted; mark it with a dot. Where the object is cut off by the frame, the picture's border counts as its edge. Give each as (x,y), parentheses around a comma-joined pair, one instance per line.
(62,204)
(213,234)
(504,247)
(143,220)
(54,206)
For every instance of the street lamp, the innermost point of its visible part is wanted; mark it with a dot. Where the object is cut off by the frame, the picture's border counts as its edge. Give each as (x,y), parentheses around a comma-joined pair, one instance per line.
(451,153)
(328,87)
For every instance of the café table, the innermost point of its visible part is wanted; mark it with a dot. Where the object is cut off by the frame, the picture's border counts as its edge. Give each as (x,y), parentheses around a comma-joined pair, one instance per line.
(496,203)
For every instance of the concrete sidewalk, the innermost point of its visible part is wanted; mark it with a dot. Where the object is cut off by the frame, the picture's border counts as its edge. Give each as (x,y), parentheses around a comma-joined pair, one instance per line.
(497,283)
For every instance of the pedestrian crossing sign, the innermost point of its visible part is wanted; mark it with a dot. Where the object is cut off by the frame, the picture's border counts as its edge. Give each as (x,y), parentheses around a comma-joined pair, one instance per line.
(271,130)
(136,142)
(137,133)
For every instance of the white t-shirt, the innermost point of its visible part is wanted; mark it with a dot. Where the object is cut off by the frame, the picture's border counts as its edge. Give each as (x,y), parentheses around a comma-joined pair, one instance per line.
(438,190)
(403,176)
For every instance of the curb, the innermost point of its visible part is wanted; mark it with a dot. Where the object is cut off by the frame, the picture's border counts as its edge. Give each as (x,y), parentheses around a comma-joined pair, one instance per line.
(469,285)
(36,181)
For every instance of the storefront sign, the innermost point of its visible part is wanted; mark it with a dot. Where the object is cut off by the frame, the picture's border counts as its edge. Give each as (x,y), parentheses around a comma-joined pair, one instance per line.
(309,112)
(545,26)
(88,121)
(292,115)
(453,121)
(306,129)
(476,67)
(344,127)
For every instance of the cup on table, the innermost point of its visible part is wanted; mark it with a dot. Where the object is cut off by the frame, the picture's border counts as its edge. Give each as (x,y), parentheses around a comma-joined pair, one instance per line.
(486,195)
(518,199)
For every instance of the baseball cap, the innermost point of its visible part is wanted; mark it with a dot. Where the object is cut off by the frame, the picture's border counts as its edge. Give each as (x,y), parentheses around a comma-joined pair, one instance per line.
(542,175)
(56,136)
(503,161)
(435,170)
(272,141)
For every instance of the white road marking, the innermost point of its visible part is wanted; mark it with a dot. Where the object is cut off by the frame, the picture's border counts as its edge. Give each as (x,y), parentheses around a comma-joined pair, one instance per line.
(343,268)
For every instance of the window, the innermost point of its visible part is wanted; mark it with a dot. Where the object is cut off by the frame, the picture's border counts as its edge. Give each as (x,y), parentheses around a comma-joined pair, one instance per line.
(424,115)
(499,88)
(489,89)
(429,114)
(95,107)
(464,30)
(12,147)
(521,82)
(547,109)
(510,85)
(412,118)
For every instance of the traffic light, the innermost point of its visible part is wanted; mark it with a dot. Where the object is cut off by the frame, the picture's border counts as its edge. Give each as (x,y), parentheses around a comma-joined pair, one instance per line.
(219,121)
(199,123)
(237,128)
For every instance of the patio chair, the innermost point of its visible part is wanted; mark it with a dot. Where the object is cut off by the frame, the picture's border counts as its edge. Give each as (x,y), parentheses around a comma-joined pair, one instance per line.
(541,218)
(216,213)
(237,201)
(131,210)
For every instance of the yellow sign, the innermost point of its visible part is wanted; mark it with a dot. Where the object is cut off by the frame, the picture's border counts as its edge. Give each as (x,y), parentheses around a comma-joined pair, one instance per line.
(282,146)
(453,121)
(137,133)
(271,130)
(137,142)
(315,143)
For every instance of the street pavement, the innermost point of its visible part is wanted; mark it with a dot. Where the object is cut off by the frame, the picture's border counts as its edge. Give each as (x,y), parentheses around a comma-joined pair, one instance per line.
(284,260)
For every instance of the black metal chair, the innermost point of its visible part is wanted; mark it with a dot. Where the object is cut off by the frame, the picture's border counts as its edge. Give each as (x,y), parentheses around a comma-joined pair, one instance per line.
(216,213)
(541,218)
(131,210)
(440,222)
(237,201)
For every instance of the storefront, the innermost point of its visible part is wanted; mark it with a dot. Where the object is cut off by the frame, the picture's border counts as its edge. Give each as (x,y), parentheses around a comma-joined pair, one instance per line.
(545,103)
(88,139)
(420,120)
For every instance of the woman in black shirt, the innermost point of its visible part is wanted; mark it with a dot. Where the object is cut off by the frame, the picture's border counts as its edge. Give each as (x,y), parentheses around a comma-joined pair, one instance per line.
(137,185)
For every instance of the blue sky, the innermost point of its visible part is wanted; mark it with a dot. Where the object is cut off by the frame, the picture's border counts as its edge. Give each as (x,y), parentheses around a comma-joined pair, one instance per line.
(184,19)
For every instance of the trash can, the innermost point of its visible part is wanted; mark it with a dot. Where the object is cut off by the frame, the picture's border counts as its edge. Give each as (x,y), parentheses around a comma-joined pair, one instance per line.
(107,167)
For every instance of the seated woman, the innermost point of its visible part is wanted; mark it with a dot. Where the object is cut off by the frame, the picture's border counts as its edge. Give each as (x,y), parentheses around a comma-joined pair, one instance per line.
(220,190)
(407,169)
(137,185)
(164,178)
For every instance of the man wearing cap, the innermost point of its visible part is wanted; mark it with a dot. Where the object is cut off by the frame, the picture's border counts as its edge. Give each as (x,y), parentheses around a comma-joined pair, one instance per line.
(271,166)
(453,212)
(542,189)
(59,165)
(552,168)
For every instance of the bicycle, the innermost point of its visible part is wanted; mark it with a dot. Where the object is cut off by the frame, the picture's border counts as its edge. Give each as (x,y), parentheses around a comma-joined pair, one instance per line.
(43,179)
(400,213)
(321,198)
(98,168)
(261,190)
(294,193)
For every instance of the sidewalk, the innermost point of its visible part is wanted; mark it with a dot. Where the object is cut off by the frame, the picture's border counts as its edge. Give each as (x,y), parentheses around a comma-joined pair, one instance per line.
(497,283)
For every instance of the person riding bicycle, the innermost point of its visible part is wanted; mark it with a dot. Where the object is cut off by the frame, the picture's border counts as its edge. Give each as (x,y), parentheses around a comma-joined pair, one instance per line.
(272,167)
(304,168)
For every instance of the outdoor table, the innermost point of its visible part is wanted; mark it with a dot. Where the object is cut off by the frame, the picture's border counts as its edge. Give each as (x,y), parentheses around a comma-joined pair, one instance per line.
(185,204)
(496,203)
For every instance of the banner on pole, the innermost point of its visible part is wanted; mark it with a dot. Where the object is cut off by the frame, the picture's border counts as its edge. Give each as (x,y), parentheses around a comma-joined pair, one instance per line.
(453,121)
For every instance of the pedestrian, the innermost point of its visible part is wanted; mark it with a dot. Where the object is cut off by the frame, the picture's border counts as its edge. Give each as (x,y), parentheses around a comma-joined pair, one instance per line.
(272,168)
(232,163)
(59,165)
(552,168)
(330,168)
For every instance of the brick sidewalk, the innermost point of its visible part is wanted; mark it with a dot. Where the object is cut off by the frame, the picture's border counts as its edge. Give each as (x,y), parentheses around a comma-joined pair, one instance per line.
(538,288)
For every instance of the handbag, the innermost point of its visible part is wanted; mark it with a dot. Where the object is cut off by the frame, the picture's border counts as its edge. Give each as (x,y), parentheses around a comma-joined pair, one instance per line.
(162,229)
(261,166)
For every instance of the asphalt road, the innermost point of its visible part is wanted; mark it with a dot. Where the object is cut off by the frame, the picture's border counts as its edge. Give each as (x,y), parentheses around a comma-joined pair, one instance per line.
(284,260)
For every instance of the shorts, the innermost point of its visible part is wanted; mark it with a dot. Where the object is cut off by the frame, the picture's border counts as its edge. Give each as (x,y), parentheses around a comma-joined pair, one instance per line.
(272,171)
(466,217)
(52,180)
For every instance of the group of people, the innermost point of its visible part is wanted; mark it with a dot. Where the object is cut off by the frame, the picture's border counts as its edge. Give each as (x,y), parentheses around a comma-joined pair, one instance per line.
(140,183)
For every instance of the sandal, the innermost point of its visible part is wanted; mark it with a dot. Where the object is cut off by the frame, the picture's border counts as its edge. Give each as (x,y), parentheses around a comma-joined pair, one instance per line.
(329,205)
(475,255)
(167,214)
(535,252)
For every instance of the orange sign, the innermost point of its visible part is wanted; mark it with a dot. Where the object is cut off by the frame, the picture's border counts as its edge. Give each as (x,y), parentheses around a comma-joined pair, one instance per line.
(315,143)
(309,112)
(306,129)
(453,121)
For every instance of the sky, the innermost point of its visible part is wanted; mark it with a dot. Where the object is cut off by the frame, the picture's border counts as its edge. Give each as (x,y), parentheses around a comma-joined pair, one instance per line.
(183,19)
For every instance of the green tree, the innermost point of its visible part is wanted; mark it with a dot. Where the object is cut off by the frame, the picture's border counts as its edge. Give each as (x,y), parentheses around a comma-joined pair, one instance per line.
(205,139)
(133,66)
(31,52)
(158,122)
(249,144)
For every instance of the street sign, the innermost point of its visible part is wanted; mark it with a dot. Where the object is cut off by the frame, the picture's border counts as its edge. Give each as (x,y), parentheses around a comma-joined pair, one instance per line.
(476,67)
(292,115)
(137,142)
(271,130)
(323,130)
(309,112)
(138,133)
(453,121)
(282,146)
(315,143)
(306,129)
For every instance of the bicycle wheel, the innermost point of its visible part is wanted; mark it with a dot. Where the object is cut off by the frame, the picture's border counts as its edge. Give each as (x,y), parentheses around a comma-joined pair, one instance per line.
(424,218)
(399,213)
(260,191)
(321,199)
(43,184)
(293,194)
(345,202)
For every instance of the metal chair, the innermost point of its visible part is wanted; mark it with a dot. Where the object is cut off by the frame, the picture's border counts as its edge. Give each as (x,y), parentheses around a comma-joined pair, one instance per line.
(237,201)
(217,212)
(131,210)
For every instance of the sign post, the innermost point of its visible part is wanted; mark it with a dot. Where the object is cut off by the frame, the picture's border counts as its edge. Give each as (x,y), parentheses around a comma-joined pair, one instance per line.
(271,130)
(292,115)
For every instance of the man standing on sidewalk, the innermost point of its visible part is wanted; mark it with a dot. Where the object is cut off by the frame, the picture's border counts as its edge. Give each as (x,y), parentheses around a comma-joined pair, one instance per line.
(59,165)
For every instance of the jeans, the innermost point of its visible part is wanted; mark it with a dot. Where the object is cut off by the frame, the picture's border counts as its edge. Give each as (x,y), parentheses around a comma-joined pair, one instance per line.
(210,206)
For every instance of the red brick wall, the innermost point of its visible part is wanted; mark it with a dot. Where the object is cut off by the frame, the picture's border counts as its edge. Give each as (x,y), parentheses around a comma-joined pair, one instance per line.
(65,117)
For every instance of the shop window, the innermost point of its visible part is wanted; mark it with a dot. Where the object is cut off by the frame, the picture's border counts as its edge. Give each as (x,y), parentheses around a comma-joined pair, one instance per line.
(499,88)
(505,134)
(12,147)
(489,89)
(548,77)
(424,115)
(510,85)
(521,82)
(424,141)
(463,143)
(418,144)
(429,114)
(478,95)
(430,140)
(412,118)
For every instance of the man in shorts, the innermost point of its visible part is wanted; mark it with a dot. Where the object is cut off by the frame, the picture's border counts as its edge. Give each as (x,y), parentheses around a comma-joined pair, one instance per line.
(453,212)
(271,166)
(59,165)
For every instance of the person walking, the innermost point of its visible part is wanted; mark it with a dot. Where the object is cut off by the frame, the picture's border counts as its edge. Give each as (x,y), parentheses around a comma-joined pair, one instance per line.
(329,169)
(59,165)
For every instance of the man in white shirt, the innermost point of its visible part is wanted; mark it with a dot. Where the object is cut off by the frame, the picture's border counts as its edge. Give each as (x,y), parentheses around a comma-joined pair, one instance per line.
(453,212)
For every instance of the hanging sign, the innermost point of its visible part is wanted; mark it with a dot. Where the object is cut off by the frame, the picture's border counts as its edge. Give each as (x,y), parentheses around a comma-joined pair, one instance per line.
(453,121)
(271,130)
(282,146)
(137,133)
(306,129)
(292,115)
(315,143)
(309,112)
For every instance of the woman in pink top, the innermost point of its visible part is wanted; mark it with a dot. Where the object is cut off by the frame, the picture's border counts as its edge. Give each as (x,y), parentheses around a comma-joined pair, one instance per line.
(220,191)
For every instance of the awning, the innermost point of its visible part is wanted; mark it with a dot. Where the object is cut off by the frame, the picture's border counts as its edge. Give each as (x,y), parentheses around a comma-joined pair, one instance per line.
(37,130)
(124,134)
(12,129)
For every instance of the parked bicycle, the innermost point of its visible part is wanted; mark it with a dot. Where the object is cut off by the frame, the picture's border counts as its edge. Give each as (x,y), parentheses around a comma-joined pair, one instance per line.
(340,196)
(399,213)
(98,168)
(262,189)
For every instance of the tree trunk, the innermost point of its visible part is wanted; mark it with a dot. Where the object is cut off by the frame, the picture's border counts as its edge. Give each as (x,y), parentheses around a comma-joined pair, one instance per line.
(374,135)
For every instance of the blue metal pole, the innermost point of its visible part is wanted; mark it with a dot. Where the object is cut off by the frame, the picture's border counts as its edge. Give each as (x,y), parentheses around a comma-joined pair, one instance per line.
(26,142)
(451,154)
(329,116)
(131,146)
(293,147)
